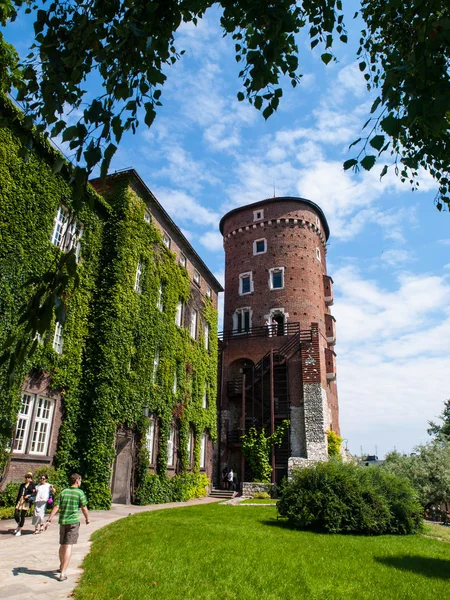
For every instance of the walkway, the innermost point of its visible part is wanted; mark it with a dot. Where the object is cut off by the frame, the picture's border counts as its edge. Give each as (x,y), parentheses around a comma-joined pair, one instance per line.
(28,563)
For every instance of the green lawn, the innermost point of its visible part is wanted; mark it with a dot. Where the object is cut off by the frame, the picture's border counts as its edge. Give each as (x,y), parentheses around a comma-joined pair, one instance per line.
(259,501)
(219,552)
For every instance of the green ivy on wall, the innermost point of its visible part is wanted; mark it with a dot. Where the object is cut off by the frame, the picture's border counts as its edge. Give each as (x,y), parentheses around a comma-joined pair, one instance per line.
(30,196)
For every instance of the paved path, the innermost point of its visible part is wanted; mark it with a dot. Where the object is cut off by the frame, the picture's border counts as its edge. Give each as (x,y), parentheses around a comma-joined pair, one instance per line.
(28,563)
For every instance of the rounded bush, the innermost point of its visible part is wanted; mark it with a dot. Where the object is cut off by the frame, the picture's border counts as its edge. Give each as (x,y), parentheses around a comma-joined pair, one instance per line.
(341,497)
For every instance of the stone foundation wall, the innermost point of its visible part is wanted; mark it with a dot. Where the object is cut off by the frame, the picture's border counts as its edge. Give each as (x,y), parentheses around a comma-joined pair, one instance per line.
(250,488)
(316,440)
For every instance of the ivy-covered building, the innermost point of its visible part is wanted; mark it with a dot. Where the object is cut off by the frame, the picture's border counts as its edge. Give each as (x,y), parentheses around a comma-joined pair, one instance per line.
(124,392)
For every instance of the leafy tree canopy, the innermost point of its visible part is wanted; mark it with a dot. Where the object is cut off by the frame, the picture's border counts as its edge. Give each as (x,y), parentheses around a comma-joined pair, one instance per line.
(443,430)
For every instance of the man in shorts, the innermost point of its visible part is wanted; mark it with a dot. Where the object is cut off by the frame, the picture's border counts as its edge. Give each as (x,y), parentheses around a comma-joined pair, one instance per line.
(68,504)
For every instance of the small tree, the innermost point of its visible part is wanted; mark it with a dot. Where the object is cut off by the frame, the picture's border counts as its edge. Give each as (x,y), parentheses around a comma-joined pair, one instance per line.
(334,443)
(441,431)
(256,447)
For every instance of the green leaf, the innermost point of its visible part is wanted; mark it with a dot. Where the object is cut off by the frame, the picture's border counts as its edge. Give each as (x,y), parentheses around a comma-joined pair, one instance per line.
(58,165)
(362,66)
(326,58)
(267,112)
(240,96)
(107,156)
(368,162)
(384,171)
(354,143)
(377,142)
(350,163)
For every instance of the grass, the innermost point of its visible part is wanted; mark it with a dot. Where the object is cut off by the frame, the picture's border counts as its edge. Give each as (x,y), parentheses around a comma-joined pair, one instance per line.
(218,552)
(435,530)
(259,501)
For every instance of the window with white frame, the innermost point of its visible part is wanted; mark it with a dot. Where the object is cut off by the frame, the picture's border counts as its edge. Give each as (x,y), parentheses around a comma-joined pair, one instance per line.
(155,364)
(258,215)
(147,217)
(159,303)
(197,277)
(183,260)
(245,283)
(317,222)
(207,336)
(73,237)
(205,398)
(179,313)
(175,381)
(260,246)
(171,447)
(23,423)
(242,320)
(150,440)
(41,426)
(203,441)
(60,227)
(194,323)
(318,255)
(208,292)
(58,338)
(276,281)
(138,278)
(190,445)
(166,240)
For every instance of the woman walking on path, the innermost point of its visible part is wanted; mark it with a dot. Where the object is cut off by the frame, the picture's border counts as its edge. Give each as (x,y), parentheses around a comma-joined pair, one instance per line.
(43,492)
(23,503)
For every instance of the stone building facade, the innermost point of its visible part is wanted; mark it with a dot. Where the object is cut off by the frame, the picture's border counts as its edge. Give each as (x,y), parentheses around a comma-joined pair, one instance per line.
(278,359)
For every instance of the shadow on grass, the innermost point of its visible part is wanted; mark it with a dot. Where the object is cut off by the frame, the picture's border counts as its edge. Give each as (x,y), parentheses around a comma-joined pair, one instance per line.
(437,568)
(280,523)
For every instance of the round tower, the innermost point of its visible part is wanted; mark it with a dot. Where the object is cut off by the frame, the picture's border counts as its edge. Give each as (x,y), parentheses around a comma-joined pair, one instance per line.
(278,293)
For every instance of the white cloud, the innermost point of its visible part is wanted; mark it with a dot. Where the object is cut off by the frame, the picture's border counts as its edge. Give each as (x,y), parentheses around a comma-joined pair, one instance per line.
(184,208)
(212,240)
(396,256)
(444,242)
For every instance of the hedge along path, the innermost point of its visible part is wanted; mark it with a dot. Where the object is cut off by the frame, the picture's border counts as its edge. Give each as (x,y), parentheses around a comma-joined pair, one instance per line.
(28,564)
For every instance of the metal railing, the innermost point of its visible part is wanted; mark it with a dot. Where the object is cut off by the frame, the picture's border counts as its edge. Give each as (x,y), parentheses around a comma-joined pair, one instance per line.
(273,330)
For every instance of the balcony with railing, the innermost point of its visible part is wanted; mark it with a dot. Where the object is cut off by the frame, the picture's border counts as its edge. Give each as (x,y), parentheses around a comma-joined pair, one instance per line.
(267,331)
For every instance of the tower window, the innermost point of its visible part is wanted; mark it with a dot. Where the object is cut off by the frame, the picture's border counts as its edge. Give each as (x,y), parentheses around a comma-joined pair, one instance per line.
(242,320)
(258,215)
(318,255)
(276,281)
(259,246)
(245,283)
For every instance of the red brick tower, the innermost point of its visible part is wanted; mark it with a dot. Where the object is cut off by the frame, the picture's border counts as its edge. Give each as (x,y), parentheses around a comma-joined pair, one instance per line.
(277,355)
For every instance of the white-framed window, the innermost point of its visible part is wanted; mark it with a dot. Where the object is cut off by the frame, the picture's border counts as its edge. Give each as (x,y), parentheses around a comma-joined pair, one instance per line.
(138,278)
(317,222)
(179,313)
(276,279)
(155,365)
(197,278)
(73,237)
(190,445)
(183,260)
(318,255)
(175,381)
(166,240)
(150,440)
(245,283)
(205,398)
(208,292)
(58,339)
(203,441)
(242,320)
(159,303)
(23,422)
(207,330)
(258,215)
(42,426)
(60,227)
(194,323)
(171,447)
(147,216)
(260,246)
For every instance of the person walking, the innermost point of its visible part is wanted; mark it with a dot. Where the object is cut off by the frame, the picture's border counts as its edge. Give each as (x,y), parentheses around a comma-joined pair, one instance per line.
(230,480)
(43,493)
(23,502)
(68,504)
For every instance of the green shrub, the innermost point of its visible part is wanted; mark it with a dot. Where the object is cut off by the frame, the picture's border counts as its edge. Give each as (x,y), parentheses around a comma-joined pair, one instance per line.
(7,512)
(261,496)
(341,497)
(8,496)
(155,489)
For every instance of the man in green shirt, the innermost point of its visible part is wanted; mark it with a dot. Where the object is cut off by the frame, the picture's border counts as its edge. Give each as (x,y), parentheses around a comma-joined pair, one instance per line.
(68,504)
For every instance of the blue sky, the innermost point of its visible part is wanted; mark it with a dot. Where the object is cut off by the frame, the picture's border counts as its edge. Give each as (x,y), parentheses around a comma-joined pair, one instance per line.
(389,249)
